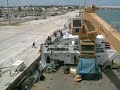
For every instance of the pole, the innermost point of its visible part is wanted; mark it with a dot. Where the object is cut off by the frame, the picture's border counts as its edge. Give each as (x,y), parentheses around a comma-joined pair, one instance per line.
(8,13)
(84,3)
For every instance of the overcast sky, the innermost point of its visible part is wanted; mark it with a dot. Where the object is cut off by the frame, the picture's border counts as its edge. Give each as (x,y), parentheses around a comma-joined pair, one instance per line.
(60,2)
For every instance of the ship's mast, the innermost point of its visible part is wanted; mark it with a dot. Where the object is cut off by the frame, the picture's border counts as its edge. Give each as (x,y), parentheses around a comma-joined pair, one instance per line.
(8,12)
(84,3)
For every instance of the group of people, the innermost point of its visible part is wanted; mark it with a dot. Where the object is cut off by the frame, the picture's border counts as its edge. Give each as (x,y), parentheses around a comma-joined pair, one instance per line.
(49,39)
(58,31)
(56,34)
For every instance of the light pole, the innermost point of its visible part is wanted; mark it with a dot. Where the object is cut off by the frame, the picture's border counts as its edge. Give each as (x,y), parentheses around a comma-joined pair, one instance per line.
(8,13)
(84,3)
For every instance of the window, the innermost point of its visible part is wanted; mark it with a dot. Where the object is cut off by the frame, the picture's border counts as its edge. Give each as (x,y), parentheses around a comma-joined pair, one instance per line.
(99,50)
(87,48)
(62,49)
(77,29)
(50,49)
(76,23)
(48,59)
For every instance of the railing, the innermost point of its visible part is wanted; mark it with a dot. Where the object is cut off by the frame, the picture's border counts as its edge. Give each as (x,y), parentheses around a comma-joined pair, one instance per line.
(115,26)
(60,47)
(113,56)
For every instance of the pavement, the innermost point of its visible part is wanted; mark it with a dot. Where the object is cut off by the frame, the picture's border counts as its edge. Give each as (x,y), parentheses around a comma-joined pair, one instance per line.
(16,41)
(59,81)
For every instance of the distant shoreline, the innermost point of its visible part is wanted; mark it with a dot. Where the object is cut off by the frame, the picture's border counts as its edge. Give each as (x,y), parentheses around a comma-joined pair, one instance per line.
(109,7)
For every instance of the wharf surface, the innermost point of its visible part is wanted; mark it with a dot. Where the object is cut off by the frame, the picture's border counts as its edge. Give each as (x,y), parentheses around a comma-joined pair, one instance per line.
(16,43)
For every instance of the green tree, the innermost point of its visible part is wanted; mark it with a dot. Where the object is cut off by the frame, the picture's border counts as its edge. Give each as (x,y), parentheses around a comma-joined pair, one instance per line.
(19,9)
(0,11)
(40,10)
(1,6)
(31,8)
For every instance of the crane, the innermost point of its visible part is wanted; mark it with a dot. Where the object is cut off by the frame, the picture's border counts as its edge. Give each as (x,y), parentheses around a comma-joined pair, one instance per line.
(88,27)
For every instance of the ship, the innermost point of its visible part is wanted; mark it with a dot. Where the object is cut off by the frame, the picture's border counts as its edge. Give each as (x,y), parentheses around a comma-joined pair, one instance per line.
(82,56)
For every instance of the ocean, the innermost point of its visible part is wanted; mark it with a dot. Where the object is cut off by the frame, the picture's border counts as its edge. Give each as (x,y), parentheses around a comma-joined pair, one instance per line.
(112,16)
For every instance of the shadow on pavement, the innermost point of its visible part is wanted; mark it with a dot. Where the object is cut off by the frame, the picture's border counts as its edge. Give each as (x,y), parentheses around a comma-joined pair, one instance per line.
(113,77)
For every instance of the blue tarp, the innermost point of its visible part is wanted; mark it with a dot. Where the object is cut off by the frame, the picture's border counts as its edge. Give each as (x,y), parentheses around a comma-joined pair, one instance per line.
(87,66)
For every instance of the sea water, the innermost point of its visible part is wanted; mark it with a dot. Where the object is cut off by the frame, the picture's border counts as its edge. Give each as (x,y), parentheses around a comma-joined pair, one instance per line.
(111,16)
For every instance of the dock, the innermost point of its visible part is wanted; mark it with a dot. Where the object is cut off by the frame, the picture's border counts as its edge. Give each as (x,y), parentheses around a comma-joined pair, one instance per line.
(16,44)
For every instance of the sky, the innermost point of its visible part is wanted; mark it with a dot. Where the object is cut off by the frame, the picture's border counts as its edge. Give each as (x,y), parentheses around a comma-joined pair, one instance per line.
(60,2)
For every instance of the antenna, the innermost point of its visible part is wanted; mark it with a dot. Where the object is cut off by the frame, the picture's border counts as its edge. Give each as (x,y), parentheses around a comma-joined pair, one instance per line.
(8,12)
(84,3)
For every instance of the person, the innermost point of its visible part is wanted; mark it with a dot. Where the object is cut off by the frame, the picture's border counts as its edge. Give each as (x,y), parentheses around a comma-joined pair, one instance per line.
(49,41)
(33,45)
(39,51)
(55,34)
(41,68)
(61,33)
(49,38)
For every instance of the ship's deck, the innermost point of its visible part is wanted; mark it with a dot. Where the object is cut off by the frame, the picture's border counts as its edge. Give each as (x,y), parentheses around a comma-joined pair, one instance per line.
(59,81)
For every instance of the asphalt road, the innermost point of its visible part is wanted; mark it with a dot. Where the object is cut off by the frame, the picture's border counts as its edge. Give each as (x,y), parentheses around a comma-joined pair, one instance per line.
(16,41)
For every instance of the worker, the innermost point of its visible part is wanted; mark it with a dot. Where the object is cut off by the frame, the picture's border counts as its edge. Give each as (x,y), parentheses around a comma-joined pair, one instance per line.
(61,33)
(39,51)
(55,34)
(41,69)
(33,45)
(49,38)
